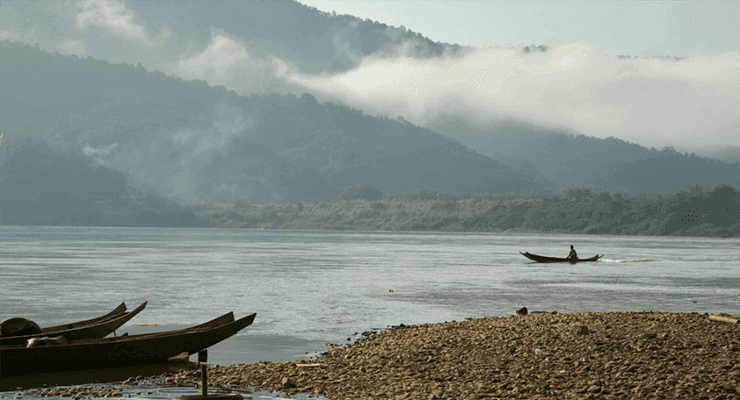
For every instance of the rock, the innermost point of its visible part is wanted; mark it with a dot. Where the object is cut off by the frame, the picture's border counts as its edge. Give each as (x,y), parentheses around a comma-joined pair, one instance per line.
(287,382)
(581,330)
(522,311)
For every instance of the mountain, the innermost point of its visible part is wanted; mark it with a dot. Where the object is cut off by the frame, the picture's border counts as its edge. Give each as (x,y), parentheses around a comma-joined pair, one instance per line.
(559,160)
(41,186)
(194,142)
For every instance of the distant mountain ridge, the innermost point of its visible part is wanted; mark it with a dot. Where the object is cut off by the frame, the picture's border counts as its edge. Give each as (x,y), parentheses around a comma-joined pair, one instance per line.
(195,142)
(315,41)
(560,160)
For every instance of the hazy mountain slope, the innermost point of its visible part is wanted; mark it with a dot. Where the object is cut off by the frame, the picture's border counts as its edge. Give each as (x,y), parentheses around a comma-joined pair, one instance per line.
(193,141)
(559,160)
(314,40)
(41,186)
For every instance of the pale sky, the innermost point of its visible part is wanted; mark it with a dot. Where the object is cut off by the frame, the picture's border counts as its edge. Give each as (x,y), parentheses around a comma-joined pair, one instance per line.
(626,28)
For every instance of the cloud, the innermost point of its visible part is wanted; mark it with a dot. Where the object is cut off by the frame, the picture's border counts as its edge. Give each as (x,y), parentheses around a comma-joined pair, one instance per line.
(71,46)
(114,18)
(99,153)
(655,102)
(10,36)
(226,62)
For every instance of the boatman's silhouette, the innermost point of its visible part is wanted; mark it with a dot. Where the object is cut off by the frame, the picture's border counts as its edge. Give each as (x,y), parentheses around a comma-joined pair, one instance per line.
(573,257)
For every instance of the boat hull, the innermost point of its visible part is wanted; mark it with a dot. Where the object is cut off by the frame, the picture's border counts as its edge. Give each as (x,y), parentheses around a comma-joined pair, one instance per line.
(544,259)
(121,351)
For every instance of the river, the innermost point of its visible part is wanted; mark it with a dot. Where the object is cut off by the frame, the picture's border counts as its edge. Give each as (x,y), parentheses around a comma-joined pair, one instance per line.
(313,288)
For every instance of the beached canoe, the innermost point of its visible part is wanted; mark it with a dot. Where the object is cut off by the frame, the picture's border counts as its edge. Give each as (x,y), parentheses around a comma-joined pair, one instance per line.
(543,259)
(8,326)
(119,351)
(91,329)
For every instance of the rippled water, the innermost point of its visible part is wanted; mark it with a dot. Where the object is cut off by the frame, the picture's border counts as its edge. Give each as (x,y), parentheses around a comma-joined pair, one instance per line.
(309,288)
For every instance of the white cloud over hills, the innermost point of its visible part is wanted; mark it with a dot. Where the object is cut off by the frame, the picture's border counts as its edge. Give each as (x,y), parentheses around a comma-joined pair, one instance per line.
(652,101)
(690,103)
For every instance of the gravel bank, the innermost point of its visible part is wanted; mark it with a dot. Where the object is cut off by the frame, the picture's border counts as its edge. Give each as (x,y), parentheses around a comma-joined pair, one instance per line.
(620,355)
(604,355)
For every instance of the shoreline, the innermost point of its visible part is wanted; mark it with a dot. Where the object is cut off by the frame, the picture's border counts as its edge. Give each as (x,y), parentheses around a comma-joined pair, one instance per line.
(612,355)
(626,354)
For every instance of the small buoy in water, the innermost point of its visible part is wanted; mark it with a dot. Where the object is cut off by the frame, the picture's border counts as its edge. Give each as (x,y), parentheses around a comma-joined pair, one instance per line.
(389,290)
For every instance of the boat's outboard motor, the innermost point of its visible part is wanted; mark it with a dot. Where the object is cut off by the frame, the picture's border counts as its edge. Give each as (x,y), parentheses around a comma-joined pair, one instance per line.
(18,327)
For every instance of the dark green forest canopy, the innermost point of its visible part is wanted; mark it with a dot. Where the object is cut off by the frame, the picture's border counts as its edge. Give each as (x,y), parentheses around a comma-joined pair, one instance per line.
(696,212)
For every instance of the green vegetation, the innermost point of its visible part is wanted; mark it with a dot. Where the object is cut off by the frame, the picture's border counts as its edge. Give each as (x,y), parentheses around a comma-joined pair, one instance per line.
(696,212)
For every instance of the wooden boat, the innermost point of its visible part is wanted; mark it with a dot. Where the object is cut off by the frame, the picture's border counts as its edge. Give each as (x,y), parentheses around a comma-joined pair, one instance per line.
(116,311)
(90,329)
(150,348)
(543,259)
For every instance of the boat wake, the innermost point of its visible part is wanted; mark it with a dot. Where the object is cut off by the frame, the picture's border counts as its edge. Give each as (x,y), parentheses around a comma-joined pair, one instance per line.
(622,261)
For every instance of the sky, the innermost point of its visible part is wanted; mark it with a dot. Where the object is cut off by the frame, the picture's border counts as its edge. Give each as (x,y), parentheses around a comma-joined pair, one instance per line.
(679,88)
(625,27)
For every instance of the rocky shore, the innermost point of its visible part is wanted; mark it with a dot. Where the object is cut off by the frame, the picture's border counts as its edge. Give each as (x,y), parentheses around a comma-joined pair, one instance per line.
(606,355)
(619,355)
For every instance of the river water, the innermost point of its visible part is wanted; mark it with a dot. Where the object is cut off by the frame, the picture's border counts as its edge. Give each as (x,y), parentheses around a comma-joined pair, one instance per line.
(313,288)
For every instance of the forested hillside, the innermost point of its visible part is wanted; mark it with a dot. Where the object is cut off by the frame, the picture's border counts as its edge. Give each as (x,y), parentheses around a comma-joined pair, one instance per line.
(559,160)
(695,212)
(316,41)
(43,186)
(194,142)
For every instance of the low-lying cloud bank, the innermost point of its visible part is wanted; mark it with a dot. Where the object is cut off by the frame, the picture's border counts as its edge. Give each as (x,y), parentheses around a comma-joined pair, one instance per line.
(691,102)
(655,102)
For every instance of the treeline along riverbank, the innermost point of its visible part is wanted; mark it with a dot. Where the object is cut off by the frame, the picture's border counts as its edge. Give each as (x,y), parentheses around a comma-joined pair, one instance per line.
(697,212)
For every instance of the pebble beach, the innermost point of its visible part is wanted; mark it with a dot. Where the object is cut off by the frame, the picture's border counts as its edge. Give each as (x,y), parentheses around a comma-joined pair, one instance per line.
(614,355)
(605,355)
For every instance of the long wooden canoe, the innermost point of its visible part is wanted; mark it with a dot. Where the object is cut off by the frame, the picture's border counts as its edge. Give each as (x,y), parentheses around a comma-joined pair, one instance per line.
(119,351)
(102,328)
(543,259)
(49,330)
(115,313)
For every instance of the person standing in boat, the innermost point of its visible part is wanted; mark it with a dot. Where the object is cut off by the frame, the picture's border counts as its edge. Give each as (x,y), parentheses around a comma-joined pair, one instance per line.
(572,256)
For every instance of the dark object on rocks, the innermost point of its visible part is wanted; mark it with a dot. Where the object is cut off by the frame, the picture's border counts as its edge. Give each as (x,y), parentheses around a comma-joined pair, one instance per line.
(582,330)
(204,390)
(544,259)
(18,327)
(522,311)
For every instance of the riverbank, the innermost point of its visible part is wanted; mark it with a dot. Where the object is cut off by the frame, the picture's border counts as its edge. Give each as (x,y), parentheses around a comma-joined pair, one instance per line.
(610,355)
(699,213)
(541,356)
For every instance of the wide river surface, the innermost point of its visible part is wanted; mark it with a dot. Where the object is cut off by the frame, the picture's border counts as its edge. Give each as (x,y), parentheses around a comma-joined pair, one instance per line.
(310,288)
